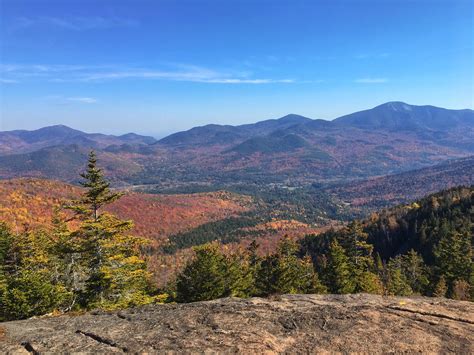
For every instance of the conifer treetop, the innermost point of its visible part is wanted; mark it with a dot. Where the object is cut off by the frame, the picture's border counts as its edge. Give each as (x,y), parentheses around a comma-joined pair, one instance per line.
(98,191)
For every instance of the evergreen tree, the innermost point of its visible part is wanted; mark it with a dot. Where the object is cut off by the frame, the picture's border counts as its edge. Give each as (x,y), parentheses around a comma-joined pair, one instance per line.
(397,283)
(368,282)
(251,267)
(116,275)
(28,285)
(97,193)
(285,272)
(415,271)
(453,257)
(441,289)
(359,253)
(357,248)
(338,272)
(203,278)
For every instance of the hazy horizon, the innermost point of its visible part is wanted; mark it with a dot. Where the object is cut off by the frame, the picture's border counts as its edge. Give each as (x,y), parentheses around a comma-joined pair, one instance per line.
(118,132)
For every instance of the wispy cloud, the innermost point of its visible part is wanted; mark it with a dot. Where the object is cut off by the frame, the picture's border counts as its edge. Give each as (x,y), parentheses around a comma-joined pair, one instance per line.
(78,23)
(8,81)
(65,100)
(84,100)
(169,72)
(371,55)
(371,80)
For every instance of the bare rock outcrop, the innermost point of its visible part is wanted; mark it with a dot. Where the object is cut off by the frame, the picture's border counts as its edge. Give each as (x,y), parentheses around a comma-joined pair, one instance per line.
(283,324)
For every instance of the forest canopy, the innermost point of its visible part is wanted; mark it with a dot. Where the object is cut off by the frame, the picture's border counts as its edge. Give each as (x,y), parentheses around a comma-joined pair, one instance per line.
(89,259)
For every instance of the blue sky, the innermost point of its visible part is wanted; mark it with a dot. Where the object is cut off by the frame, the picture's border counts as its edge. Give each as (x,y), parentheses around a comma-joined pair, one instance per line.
(156,67)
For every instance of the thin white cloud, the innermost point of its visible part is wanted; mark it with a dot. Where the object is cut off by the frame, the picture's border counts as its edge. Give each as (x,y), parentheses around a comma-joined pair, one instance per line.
(371,80)
(372,55)
(8,81)
(172,72)
(193,76)
(77,23)
(247,81)
(84,100)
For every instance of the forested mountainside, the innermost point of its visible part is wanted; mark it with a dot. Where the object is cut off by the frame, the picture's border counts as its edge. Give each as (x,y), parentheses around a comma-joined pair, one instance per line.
(423,247)
(31,203)
(90,259)
(375,193)
(174,223)
(390,138)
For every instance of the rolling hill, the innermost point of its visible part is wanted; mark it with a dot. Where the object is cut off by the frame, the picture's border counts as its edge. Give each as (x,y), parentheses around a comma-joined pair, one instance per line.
(30,203)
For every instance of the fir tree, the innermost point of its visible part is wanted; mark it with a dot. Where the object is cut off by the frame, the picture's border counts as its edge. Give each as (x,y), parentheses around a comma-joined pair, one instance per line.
(116,275)
(357,248)
(203,278)
(285,272)
(338,272)
(368,282)
(97,193)
(397,283)
(415,271)
(453,257)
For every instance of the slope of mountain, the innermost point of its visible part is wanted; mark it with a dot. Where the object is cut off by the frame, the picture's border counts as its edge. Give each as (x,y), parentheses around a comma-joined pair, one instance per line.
(405,187)
(294,150)
(31,202)
(21,141)
(273,143)
(401,116)
(63,163)
(214,134)
(419,225)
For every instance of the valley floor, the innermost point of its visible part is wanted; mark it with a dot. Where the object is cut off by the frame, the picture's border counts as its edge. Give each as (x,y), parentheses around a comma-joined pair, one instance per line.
(282,324)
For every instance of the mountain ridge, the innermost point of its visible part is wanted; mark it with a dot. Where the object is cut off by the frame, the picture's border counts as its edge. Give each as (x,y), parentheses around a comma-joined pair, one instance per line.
(25,141)
(390,138)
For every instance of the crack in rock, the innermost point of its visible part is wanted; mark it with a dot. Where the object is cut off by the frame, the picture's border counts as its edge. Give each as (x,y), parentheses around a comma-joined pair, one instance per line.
(30,348)
(437,315)
(102,340)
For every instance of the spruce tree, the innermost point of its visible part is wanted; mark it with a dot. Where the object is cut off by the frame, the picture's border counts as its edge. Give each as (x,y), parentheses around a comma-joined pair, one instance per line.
(415,271)
(204,277)
(397,283)
(285,272)
(28,282)
(357,248)
(453,257)
(338,272)
(116,275)
(97,193)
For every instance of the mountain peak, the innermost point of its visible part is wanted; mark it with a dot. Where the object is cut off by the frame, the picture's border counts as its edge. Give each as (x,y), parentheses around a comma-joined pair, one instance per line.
(395,106)
(294,118)
(57,128)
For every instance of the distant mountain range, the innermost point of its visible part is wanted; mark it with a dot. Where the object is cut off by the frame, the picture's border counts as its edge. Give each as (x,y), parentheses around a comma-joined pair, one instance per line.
(21,141)
(390,138)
